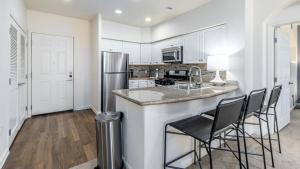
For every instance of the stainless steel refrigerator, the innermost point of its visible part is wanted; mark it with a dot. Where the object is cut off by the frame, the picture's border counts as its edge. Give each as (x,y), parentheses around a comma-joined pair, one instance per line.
(114,76)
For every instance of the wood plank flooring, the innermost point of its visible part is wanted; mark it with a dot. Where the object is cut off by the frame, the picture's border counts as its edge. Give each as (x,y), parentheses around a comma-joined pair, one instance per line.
(54,141)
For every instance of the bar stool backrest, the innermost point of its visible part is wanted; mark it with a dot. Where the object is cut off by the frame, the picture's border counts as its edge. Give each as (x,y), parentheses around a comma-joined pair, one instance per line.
(228,112)
(274,96)
(255,101)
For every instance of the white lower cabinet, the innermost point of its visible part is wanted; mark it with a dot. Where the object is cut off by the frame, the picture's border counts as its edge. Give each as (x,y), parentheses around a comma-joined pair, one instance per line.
(133,84)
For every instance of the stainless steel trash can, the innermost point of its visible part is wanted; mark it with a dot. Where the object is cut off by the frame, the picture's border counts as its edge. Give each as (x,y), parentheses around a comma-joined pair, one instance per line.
(108,133)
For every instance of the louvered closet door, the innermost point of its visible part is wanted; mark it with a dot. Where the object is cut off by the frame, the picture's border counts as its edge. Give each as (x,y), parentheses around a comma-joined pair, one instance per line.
(13,82)
(22,80)
(52,73)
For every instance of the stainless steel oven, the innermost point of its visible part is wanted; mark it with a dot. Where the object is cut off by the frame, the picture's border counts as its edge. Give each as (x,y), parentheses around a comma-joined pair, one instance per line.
(172,54)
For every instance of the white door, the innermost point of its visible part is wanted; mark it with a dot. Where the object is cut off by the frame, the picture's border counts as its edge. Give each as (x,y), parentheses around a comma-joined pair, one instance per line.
(282,74)
(52,73)
(17,80)
(22,79)
(13,82)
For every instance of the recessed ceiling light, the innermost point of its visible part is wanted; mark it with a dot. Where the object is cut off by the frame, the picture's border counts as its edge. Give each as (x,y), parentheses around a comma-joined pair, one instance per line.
(148,19)
(169,8)
(118,11)
(67,0)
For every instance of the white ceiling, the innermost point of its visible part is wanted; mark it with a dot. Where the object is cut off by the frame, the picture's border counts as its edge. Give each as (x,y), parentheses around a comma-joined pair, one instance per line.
(134,11)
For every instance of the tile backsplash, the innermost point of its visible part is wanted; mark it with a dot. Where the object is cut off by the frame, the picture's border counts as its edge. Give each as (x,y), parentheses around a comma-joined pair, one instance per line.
(141,71)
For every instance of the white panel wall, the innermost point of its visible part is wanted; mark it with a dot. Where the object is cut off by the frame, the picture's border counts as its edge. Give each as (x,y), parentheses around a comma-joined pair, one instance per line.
(231,12)
(79,29)
(96,63)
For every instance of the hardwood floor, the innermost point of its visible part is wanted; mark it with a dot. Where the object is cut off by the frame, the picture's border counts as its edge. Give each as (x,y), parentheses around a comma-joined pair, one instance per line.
(54,141)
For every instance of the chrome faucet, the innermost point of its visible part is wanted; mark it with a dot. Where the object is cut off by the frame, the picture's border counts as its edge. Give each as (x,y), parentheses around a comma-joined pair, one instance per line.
(190,74)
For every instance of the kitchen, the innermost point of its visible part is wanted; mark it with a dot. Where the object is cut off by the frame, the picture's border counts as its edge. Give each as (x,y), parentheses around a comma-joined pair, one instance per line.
(160,73)
(154,72)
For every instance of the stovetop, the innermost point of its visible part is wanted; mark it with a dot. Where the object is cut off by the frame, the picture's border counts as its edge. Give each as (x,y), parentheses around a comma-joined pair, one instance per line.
(165,82)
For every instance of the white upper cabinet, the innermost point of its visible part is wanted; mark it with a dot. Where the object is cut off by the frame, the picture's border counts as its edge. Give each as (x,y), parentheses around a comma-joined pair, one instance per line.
(111,45)
(177,41)
(214,41)
(134,51)
(156,55)
(193,48)
(145,54)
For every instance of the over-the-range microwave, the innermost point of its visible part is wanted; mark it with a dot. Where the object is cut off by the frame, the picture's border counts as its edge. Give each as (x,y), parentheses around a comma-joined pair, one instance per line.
(172,54)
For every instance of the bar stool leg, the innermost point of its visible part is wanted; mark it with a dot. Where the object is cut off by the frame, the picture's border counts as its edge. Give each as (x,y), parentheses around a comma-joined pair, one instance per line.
(238,144)
(262,143)
(165,147)
(277,130)
(270,141)
(245,146)
(208,149)
(194,151)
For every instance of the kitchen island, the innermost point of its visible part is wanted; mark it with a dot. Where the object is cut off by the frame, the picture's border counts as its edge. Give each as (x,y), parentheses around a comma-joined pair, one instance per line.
(147,110)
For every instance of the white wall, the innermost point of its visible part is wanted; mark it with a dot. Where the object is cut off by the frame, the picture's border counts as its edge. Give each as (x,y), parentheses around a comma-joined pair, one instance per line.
(259,14)
(96,23)
(79,29)
(15,9)
(118,31)
(4,75)
(215,12)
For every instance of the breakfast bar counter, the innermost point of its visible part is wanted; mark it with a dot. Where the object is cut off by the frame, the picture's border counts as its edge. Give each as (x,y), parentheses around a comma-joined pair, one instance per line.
(147,111)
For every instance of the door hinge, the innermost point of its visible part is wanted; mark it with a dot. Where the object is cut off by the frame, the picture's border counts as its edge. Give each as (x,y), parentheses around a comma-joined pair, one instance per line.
(9,81)
(26,76)
(275,40)
(31,107)
(275,79)
(26,108)
(9,132)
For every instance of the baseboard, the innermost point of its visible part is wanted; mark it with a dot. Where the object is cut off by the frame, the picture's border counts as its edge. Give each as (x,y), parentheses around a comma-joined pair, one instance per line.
(82,108)
(3,158)
(94,109)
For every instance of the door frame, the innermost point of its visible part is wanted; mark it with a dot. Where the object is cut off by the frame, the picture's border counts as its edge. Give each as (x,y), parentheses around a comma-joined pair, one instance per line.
(30,69)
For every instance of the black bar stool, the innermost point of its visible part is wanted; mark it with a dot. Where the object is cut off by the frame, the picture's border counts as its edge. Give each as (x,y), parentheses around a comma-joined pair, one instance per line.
(254,108)
(228,112)
(272,104)
(254,105)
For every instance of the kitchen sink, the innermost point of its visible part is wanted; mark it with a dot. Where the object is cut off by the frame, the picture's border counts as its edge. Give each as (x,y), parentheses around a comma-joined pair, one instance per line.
(193,87)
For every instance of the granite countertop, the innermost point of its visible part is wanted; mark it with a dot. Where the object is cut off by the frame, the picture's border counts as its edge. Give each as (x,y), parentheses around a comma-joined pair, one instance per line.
(165,95)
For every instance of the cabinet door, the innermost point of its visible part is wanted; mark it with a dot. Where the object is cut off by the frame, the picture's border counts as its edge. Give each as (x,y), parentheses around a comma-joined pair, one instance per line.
(134,51)
(172,42)
(151,83)
(214,41)
(143,83)
(133,84)
(111,45)
(192,48)
(156,56)
(145,54)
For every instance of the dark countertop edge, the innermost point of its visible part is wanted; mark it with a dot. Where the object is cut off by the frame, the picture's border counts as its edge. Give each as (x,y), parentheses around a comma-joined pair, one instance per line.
(169,101)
